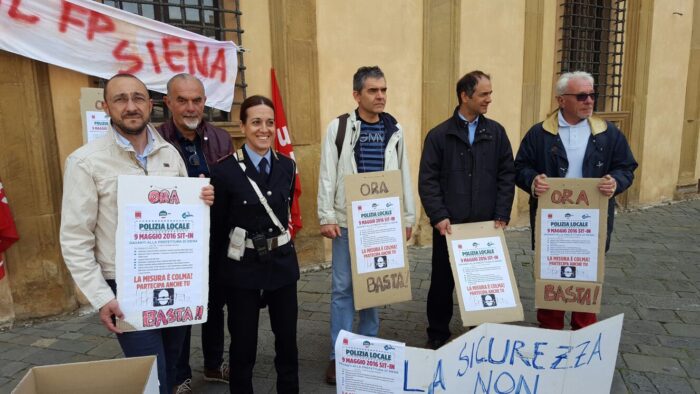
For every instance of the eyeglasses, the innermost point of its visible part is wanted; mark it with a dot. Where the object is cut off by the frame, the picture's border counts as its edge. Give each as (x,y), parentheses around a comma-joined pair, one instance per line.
(194,157)
(582,96)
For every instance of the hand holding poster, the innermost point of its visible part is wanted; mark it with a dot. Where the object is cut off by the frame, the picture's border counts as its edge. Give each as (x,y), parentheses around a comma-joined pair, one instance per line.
(491,358)
(484,279)
(380,272)
(570,245)
(162,252)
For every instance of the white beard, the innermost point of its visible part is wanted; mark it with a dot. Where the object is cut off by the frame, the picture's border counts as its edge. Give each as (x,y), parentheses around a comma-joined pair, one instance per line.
(191,123)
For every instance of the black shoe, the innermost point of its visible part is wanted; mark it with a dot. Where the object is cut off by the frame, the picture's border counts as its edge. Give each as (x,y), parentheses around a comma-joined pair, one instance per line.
(434,343)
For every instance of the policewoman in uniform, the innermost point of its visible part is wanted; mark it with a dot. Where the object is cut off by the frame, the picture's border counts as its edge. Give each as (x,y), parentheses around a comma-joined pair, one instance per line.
(252,251)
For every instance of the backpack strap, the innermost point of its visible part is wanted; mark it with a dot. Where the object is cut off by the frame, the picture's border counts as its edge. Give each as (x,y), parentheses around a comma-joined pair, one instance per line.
(340,134)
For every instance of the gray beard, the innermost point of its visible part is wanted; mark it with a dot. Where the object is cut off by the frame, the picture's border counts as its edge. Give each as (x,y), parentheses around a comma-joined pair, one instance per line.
(191,125)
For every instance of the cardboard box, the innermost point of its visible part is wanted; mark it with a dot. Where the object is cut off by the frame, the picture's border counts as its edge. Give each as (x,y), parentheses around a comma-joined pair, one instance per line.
(119,376)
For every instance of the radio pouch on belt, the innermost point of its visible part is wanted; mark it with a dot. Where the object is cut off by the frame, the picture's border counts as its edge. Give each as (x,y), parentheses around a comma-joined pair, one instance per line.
(236,245)
(260,246)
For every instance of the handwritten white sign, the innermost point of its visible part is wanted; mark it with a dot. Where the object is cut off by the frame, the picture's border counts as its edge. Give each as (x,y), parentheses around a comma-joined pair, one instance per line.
(99,40)
(500,358)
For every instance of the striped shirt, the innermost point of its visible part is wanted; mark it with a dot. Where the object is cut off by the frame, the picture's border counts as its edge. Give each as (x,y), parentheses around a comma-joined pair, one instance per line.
(369,151)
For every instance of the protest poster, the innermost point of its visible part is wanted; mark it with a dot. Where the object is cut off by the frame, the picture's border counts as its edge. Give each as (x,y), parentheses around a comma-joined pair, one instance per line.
(500,358)
(162,252)
(95,119)
(483,275)
(570,232)
(368,365)
(380,271)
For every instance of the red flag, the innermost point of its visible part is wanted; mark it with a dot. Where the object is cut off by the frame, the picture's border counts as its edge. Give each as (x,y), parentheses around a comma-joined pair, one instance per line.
(283,144)
(8,231)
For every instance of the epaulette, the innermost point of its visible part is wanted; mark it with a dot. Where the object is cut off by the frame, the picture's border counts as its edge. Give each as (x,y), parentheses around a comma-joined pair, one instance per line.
(224,158)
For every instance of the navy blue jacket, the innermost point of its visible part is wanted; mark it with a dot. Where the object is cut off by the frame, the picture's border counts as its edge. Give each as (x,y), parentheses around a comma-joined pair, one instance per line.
(542,152)
(237,205)
(467,182)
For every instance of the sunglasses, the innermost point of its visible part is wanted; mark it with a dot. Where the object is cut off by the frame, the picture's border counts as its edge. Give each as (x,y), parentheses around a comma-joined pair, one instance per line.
(582,96)
(194,157)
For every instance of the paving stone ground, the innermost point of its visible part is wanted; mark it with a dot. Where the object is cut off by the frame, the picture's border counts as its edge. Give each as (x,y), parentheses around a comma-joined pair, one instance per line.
(652,276)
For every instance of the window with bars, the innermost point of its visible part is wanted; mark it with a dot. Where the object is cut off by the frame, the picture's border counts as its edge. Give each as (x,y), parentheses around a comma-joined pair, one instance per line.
(592,40)
(217,19)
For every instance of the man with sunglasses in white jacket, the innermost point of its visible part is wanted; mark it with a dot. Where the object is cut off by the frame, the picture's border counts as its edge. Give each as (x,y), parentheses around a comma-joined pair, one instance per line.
(573,143)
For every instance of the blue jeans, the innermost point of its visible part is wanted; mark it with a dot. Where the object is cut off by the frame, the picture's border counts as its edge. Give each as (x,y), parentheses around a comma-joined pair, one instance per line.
(342,305)
(212,338)
(164,343)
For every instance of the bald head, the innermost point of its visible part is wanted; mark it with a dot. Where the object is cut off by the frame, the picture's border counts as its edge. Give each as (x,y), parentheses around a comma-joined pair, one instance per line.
(128,104)
(119,77)
(183,77)
(185,100)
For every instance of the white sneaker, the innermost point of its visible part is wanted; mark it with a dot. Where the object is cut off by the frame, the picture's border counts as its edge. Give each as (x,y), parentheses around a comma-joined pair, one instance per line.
(184,387)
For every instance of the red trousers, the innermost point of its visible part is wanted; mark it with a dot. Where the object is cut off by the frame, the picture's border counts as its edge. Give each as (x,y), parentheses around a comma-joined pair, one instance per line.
(554,320)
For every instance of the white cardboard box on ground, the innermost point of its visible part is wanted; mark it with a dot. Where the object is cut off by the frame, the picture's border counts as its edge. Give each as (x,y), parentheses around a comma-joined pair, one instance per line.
(123,376)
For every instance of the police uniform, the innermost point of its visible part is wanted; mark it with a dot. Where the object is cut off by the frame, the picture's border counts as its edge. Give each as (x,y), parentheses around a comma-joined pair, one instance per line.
(245,281)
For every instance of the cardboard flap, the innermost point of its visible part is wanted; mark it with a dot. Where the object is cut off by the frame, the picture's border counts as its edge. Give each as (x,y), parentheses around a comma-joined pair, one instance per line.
(568,295)
(125,326)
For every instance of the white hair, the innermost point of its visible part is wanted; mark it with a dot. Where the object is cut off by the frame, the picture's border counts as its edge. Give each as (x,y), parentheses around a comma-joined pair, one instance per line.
(564,79)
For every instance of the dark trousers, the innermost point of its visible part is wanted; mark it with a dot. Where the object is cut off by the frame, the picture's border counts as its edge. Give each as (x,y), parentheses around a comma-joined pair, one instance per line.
(243,316)
(442,286)
(164,343)
(212,337)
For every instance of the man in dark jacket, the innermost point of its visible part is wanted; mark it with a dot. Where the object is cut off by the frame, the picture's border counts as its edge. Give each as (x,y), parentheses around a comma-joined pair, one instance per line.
(466,175)
(572,143)
(201,145)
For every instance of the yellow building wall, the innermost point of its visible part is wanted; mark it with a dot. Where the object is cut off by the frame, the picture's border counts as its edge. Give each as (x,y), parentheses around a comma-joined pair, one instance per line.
(491,40)
(31,179)
(65,99)
(667,79)
(256,42)
(389,36)
(547,103)
(694,83)
(540,39)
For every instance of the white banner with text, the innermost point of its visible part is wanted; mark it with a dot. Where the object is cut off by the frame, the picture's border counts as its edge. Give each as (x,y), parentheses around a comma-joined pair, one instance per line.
(491,358)
(99,40)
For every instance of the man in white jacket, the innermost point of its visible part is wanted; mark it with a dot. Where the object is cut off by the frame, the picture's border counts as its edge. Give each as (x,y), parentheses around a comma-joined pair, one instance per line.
(89,213)
(364,140)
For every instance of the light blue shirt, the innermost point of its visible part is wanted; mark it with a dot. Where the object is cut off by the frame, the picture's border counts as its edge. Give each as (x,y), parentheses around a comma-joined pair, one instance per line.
(575,139)
(470,125)
(142,158)
(255,158)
